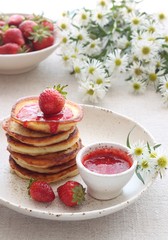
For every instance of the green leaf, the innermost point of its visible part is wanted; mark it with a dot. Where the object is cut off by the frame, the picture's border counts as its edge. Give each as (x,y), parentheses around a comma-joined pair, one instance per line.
(156,146)
(149,149)
(128,138)
(139,175)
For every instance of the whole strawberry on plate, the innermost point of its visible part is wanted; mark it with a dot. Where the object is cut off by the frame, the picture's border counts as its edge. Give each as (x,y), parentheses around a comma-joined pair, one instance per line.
(71,193)
(41,191)
(52,100)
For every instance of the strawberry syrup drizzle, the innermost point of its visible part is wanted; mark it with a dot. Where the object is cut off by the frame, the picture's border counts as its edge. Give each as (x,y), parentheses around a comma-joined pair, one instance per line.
(33,113)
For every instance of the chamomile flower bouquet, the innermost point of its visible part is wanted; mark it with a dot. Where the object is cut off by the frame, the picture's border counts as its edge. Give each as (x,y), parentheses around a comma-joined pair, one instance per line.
(151,160)
(115,39)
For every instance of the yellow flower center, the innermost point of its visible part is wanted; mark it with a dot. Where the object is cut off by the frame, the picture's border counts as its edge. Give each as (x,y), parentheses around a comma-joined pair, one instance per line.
(77,69)
(162,16)
(135,21)
(138,71)
(138,151)
(99,81)
(84,16)
(129,10)
(136,86)
(118,62)
(65,58)
(64,40)
(153,77)
(91,70)
(162,162)
(102,3)
(92,45)
(153,154)
(63,26)
(90,92)
(99,16)
(80,37)
(145,164)
(151,29)
(146,50)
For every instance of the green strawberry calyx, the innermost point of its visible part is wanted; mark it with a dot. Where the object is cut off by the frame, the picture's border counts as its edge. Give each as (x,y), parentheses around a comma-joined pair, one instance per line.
(78,194)
(60,89)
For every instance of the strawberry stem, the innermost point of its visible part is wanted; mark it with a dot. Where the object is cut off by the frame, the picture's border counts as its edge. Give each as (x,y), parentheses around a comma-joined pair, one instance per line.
(60,89)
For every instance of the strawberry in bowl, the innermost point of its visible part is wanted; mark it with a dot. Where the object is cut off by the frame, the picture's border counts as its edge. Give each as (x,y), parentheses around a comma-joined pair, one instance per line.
(25,41)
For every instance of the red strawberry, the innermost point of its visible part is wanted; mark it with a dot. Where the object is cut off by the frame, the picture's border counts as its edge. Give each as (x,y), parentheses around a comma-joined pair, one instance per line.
(43,43)
(13,35)
(51,100)
(27,27)
(41,191)
(71,193)
(15,19)
(10,48)
(48,24)
(2,23)
(1,37)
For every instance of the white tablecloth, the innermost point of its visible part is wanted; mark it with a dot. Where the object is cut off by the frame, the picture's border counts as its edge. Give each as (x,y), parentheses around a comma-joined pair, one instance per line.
(147,218)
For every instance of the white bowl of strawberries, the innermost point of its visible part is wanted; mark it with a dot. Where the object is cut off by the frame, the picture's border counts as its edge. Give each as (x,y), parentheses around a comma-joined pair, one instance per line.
(25,41)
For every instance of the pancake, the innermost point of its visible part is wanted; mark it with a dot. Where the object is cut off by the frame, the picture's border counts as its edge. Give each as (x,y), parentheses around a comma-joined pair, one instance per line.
(53,169)
(26,112)
(34,138)
(47,160)
(9,125)
(55,177)
(16,146)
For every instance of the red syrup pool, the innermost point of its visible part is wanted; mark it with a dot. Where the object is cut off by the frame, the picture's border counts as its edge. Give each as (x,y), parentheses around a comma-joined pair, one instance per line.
(107,161)
(32,112)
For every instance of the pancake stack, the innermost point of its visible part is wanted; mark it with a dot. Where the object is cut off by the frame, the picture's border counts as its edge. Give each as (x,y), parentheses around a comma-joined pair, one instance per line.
(43,148)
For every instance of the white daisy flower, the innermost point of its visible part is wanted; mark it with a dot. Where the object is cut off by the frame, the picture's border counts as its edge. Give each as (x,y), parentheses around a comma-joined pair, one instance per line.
(101,80)
(93,47)
(80,35)
(105,4)
(146,167)
(92,92)
(137,70)
(153,76)
(63,37)
(137,21)
(163,83)
(100,17)
(144,49)
(161,17)
(116,62)
(64,24)
(137,86)
(122,42)
(161,163)
(77,68)
(138,149)
(82,18)
(93,67)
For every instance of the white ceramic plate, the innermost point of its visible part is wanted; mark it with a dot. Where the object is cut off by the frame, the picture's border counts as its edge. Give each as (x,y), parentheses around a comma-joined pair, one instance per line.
(97,125)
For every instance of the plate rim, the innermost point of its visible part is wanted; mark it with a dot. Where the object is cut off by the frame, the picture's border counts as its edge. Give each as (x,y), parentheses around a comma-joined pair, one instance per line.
(82,215)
